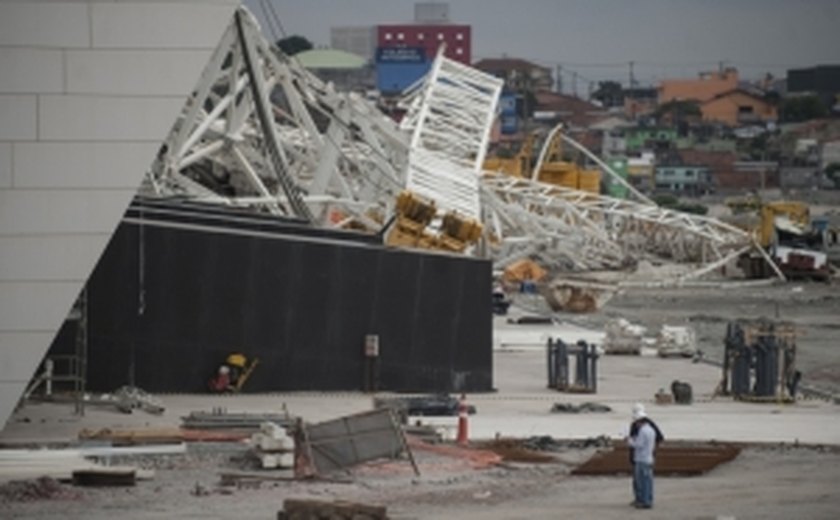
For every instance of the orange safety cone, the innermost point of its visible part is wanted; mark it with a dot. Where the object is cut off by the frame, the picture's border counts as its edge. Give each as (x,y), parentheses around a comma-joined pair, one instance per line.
(463,427)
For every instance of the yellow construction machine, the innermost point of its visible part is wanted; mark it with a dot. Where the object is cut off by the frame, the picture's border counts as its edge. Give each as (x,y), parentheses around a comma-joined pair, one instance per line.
(783,229)
(556,169)
(517,166)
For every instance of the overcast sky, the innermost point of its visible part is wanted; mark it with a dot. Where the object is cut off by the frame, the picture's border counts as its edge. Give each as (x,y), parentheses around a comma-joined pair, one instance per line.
(598,38)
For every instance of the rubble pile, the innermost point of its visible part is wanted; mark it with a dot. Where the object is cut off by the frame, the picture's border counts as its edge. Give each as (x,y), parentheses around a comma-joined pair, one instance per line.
(623,337)
(42,488)
(676,342)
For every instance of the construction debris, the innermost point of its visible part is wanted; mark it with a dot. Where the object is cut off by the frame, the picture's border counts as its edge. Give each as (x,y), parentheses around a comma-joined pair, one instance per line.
(671,459)
(273,447)
(443,405)
(143,436)
(105,477)
(298,509)
(676,342)
(581,408)
(41,488)
(221,418)
(515,450)
(577,296)
(341,443)
(623,337)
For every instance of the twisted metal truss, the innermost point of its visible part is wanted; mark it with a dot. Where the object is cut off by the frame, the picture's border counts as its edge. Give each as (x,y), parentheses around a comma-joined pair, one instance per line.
(581,231)
(261,131)
(450,116)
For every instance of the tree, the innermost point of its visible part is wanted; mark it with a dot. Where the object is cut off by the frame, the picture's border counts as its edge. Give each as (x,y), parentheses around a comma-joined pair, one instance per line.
(802,108)
(609,93)
(294,44)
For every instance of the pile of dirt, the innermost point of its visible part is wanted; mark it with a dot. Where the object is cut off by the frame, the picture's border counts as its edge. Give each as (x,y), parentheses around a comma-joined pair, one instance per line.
(43,488)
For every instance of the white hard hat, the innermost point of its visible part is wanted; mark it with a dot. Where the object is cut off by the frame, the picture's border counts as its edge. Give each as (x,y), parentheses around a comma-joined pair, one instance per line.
(639,411)
(224,369)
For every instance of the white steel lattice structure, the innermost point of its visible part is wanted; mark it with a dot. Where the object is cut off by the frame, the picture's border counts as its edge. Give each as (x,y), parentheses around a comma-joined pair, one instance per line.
(261,131)
(450,115)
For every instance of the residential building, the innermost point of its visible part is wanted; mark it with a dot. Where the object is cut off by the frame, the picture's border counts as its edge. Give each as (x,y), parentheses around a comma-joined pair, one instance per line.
(705,87)
(640,170)
(822,80)
(738,107)
(552,108)
(650,138)
(519,75)
(640,101)
(360,41)
(684,179)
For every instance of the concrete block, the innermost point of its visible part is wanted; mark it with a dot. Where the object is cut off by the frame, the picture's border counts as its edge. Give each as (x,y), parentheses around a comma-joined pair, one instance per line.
(21,352)
(36,306)
(81,165)
(34,258)
(5,165)
(18,118)
(91,118)
(186,25)
(41,212)
(27,70)
(44,24)
(130,72)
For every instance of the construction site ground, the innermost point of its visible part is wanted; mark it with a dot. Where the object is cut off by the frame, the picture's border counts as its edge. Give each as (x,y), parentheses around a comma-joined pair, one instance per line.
(788,468)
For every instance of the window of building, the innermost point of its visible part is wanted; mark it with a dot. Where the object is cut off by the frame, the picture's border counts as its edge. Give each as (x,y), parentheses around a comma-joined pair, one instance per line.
(743,109)
(459,36)
(459,51)
(668,173)
(420,36)
(400,36)
(440,36)
(387,36)
(689,173)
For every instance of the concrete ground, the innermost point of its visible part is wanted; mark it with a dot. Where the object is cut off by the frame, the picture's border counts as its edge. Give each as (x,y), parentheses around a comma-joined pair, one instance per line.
(768,481)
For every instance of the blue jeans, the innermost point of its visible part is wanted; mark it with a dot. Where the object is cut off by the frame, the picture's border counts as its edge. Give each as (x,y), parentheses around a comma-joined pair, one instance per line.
(643,483)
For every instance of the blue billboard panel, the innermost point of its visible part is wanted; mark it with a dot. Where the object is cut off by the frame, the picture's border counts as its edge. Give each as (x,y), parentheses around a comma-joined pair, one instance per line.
(392,78)
(400,55)
(510,124)
(507,104)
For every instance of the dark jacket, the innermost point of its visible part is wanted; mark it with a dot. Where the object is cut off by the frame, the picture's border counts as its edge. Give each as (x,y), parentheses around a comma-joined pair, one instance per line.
(634,430)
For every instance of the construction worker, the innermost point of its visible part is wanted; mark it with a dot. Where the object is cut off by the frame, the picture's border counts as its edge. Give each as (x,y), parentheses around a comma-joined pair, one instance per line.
(221,382)
(236,362)
(643,439)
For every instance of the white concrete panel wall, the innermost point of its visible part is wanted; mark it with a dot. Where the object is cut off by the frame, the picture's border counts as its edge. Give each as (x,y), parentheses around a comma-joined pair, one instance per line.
(88,91)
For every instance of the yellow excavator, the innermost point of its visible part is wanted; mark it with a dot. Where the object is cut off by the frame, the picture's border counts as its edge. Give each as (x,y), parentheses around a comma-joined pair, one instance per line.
(555,169)
(517,166)
(784,229)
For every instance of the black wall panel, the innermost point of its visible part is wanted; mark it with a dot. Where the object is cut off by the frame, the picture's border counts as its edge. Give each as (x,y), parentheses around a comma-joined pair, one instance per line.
(168,301)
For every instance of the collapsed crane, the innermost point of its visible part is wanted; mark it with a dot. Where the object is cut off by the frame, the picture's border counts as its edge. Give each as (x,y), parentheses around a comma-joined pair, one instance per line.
(263,132)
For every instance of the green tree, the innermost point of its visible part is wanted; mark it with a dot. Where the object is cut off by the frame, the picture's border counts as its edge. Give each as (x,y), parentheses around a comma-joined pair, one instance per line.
(802,108)
(294,44)
(609,93)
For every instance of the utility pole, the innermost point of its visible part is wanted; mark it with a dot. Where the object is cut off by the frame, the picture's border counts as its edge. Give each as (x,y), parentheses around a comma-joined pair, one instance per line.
(558,79)
(574,83)
(632,78)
